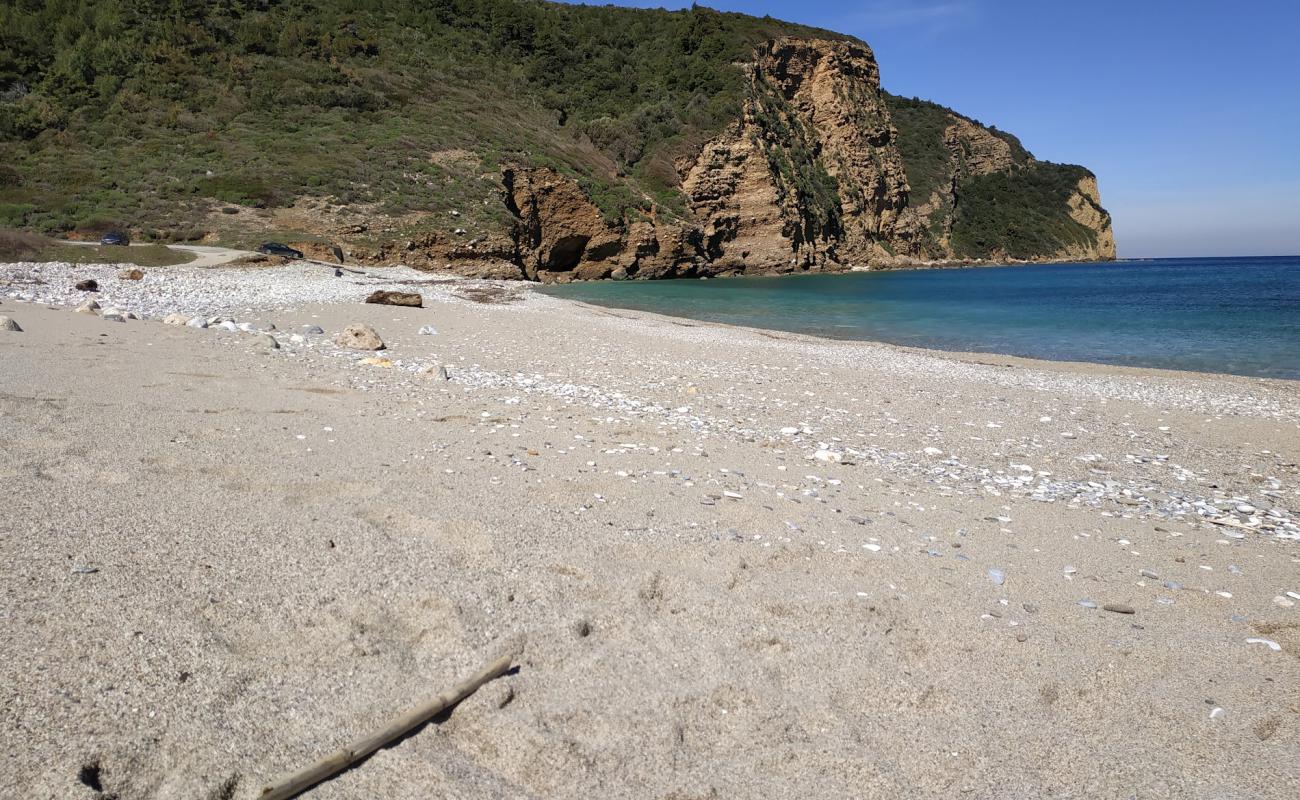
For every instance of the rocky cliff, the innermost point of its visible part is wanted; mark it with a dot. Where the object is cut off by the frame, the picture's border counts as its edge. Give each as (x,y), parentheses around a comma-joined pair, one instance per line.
(520,138)
(812,175)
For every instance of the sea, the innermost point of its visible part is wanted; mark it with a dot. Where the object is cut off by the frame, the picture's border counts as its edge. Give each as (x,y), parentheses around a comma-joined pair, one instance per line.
(1229,315)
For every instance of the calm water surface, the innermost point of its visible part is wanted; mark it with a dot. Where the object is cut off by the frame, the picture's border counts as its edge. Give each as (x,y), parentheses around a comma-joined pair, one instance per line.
(1236,315)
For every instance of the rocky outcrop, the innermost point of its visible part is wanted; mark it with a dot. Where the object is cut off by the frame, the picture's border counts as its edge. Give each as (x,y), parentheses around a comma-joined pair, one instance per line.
(1085,209)
(743,222)
(809,177)
(560,235)
(975,150)
(557,226)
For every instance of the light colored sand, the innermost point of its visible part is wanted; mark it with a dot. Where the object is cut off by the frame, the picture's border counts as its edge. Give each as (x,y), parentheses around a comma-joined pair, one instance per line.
(292,547)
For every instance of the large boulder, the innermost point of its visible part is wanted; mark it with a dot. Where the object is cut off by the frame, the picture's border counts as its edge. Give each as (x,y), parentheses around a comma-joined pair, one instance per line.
(359,336)
(386,298)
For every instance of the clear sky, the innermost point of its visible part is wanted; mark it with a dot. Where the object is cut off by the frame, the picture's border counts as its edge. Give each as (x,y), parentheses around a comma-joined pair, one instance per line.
(1188,111)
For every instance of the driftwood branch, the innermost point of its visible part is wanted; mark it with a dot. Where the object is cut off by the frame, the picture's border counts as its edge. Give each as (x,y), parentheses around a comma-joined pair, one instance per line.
(330,766)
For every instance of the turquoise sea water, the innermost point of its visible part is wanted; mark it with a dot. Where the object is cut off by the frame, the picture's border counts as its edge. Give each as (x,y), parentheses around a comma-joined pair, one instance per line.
(1235,315)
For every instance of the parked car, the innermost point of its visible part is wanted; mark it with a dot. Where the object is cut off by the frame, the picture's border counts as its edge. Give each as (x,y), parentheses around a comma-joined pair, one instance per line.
(277,249)
(116,238)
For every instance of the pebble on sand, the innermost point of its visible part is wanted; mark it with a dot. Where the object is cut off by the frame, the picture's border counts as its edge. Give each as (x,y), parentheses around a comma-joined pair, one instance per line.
(88,307)
(7,324)
(1118,608)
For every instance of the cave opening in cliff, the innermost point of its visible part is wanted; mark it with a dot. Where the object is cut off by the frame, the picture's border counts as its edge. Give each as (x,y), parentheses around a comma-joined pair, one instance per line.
(567,252)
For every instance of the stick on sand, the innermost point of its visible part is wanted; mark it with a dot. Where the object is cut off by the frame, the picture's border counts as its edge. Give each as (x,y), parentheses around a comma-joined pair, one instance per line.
(332,765)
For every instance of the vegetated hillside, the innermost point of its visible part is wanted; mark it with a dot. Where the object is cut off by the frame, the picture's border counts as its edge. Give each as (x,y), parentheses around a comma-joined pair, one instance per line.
(981,192)
(387,125)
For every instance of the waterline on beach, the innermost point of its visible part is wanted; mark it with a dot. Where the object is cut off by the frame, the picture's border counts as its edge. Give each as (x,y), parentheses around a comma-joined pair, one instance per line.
(1232,315)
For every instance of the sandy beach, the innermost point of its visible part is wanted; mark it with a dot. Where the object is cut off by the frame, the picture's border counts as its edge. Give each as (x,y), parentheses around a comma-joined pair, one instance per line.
(742,563)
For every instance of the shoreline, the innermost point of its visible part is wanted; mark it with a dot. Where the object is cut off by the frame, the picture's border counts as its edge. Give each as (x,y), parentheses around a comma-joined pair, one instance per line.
(964,356)
(382,277)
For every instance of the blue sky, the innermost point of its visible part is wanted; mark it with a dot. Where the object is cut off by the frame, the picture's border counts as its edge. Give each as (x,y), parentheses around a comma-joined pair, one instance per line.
(1189,112)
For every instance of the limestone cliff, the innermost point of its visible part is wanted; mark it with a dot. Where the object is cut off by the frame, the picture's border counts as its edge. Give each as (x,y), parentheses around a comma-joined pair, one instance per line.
(1085,209)
(814,174)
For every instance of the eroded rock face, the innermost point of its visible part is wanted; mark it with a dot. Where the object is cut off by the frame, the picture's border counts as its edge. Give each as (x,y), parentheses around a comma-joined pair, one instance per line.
(1085,209)
(809,177)
(731,192)
(833,91)
(558,227)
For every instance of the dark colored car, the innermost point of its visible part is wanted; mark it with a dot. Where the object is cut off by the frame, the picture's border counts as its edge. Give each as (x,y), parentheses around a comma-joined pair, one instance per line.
(277,249)
(115,237)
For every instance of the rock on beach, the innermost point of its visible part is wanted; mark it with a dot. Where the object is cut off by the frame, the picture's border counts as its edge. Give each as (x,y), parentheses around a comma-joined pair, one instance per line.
(390,298)
(359,336)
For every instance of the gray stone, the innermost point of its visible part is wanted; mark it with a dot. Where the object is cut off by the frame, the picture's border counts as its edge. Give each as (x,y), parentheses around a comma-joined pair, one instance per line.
(267,341)
(197,322)
(88,307)
(7,324)
(428,330)
(311,330)
(175,319)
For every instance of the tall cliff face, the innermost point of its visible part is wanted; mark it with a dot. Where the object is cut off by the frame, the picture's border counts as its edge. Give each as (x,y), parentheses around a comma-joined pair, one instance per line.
(815,174)
(823,182)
